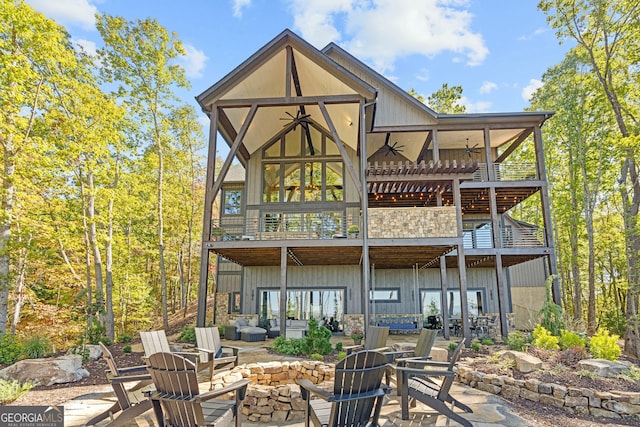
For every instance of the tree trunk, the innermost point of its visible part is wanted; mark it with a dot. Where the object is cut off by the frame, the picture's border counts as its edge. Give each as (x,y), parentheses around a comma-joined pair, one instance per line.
(109,321)
(93,239)
(22,266)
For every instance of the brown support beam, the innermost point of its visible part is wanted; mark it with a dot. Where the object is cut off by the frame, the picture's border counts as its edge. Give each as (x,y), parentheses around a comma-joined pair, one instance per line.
(515,144)
(227,126)
(287,82)
(436,146)
(284,101)
(343,152)
(462,264)
(206,221)
(444,307)
(283,290)
(500,277)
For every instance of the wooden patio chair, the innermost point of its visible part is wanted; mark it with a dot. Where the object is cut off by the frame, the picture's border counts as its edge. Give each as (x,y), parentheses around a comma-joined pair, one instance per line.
(177,401)
(421,352)
(430,382)
(212,352)
(357,396)
(131,401)
(157,342)
(376,340)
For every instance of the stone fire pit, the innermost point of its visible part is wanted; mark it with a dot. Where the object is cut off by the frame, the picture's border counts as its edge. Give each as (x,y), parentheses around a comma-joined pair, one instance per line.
(273,394)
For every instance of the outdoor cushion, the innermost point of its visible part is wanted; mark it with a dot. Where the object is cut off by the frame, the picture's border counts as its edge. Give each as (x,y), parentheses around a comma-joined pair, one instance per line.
(241,322)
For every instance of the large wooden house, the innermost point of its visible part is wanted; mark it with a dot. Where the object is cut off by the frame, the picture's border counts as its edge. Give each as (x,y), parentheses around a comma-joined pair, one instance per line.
(344,198)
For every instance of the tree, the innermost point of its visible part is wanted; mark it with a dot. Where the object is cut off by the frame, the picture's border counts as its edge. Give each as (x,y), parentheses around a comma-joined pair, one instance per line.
(446,100)
(608,31)
(139,56)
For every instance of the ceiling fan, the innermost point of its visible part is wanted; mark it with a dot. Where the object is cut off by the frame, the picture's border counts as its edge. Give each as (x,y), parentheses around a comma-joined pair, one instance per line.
(471,150)
(393,149)
(302,119)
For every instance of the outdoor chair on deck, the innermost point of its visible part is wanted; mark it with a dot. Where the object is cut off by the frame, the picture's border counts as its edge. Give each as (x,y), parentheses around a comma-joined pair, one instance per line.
(212,352)
(357,396)
(132,401)
(376,340)
(430,382)
(157,342)
(177,401)
(421,351)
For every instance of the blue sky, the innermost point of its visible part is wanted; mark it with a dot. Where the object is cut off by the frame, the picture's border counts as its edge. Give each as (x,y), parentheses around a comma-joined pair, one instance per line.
(497,50)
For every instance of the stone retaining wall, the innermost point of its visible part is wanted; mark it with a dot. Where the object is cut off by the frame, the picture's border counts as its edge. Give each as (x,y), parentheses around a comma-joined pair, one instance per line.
(578,401)
(273,394)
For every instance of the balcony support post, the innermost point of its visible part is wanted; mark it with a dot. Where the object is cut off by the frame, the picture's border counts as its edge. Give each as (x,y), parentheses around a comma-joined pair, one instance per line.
(500,277)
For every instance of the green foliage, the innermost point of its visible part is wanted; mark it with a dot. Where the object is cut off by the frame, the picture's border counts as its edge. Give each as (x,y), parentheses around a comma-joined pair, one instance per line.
(294,346)
(570,339)
(339,346)
(83,351)
(11,390)
(187,334)
(631,375)
(587,373)
(126,349)
(125,338)
(542,338)
(518,341)
(614,320)
(317,339)
(221,330)
(97,334)
(551,313)
(37,346)
(487,341)
(447,100)
(316,356)
(357,334)
(342,355)
(10,349)
(604,346)
(452,346)
(476,346)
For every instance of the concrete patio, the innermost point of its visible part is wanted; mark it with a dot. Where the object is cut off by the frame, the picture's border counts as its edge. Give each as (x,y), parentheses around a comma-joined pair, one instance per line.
(489,410)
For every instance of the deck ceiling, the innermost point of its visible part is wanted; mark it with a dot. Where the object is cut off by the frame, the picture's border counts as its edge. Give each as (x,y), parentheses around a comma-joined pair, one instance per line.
(381,257)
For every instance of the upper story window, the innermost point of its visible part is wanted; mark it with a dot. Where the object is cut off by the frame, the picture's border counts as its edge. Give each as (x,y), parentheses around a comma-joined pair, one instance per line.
(302,168)
(232,202)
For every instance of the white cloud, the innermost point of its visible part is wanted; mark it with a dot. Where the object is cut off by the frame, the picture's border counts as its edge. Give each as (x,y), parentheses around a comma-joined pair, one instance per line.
(536,33)
(385,30)
(87,45)
(193,61)
(488,87)
(67,12)
(475,107)
(238,5)
(529,90)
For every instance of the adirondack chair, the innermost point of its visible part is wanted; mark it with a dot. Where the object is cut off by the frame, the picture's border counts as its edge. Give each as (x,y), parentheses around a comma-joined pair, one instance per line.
(178,402)
(419,380)
(421,352)
(357,396)
(130,401)
(157,342)
(211,350)
(376,340)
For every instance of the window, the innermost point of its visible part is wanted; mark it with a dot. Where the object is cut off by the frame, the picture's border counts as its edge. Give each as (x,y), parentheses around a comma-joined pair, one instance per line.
(477,234)
(430,303)
(386,295)
(232,202)
(303,304)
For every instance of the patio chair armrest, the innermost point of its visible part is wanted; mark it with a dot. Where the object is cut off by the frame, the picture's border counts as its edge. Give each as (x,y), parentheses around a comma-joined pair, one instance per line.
(307,388)
(351,348)
(239,386)
(404,360)
(131,369)
(210,353)
(226,359)
(394,354)
(380,349)
(234,349)
(187,354)
(409,372)
(427,362)
(129,378)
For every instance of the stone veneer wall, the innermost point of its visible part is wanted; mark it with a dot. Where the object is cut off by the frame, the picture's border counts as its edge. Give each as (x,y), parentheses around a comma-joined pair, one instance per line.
(273,395)
(222,308)
(351,322)
(386,223)
(578,401)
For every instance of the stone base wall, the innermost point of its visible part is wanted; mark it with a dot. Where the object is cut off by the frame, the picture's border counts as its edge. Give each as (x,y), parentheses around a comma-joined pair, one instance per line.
(273,395)
(351,322)
(222,308)
(387,223)
(578,401)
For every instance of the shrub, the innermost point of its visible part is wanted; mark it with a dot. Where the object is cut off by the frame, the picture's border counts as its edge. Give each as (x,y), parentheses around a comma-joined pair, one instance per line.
(11,390)
(569,339)
(187,334)
(342,355)
(10,350)
(542,338)
(293,347)
(97,334)
(339,346)
(37,346)
(486,341)
(452,346)
(125,338)
(126,349)
(604,346)
(317,339)
(551,313)
(316,356)
(518,341)
(476,346)
(571,356)
(614,320)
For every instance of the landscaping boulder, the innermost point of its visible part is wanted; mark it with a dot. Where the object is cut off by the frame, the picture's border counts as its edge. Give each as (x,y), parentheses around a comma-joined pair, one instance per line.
(54,370)
(524,362)
(94,352)
(602,367)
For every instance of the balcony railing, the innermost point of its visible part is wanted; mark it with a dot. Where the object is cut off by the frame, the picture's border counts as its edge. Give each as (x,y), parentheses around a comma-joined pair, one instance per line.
(507,171)
(512,237)
(282,226)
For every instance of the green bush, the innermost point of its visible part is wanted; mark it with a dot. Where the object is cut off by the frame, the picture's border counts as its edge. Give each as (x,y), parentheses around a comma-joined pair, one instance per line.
(339,346)
(614,320)
(542,338)
(570,339)
(518,341)
(37,346)
(293,347)
(126,349)
(604,346)
(476,346)
(452,346)
(10,350)
(487,341)
(342,355)
(317,356)
(125,338)
(187,334)
(317,339)
(551,313)
(97,334)
(11,390)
